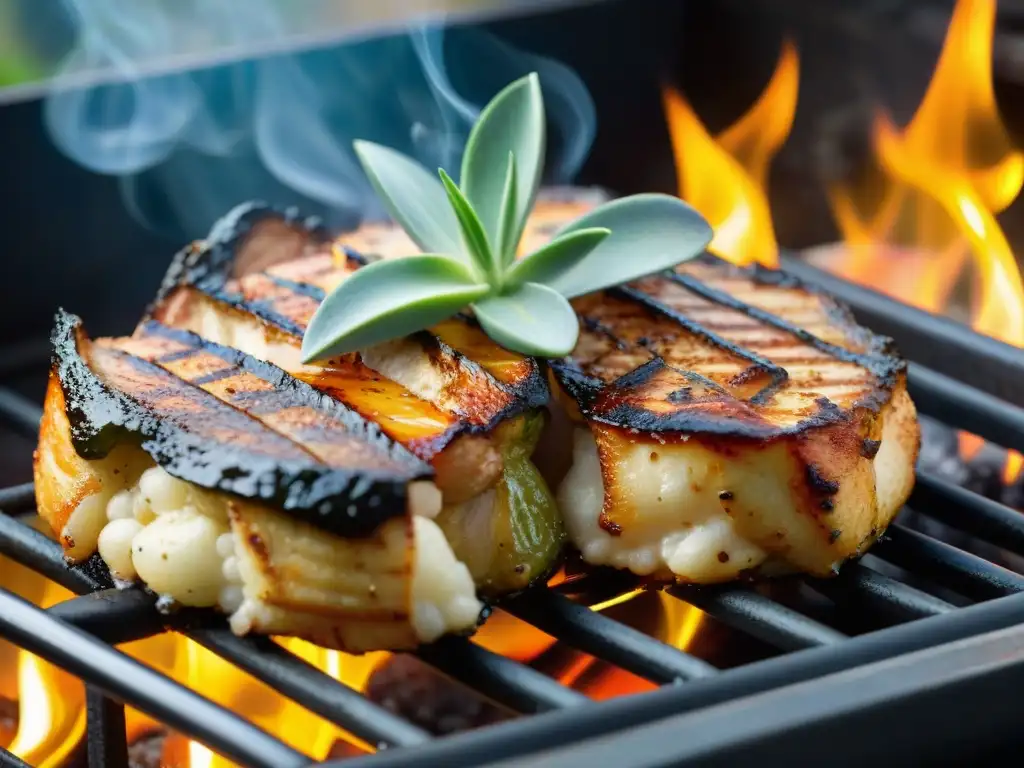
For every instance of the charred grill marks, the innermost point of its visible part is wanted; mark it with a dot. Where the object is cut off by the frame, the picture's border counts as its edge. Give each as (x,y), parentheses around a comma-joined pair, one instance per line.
(184,428)
(879,365)
(707,402)
(303,289)
(758,364)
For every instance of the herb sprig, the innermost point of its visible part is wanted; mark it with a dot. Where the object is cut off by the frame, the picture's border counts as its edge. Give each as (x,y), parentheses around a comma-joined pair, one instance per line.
(469,234)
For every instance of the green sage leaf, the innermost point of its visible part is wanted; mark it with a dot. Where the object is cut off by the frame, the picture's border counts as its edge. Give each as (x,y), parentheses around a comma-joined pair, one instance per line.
(532,320)
(386,300)
(413,197)
(557,257)
(473,234)
(508,237)
(650,232)
(512,122)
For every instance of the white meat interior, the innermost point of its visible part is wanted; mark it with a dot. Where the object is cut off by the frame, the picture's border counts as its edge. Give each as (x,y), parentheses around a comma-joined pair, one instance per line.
(178,540)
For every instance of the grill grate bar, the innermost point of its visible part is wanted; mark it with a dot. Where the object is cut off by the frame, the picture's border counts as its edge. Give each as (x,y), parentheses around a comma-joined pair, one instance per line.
(34,550)
(524,736)
(600,636)
(961,405)
(155,694)
(513,685)
(968,511)
(18,498)
(968,574)
(107,746)
(760,617)
(861,586)
(282,670)
(267,661)
(19,412)
(7,760)
(937,342)
(114,616)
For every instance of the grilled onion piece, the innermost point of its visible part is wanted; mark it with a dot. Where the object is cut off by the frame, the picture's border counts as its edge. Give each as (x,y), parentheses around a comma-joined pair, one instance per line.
(219,480)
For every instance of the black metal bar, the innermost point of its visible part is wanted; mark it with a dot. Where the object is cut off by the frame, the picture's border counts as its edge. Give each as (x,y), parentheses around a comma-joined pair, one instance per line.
(529,735)
(968,511)
(32,549)
(19,412)
(759,616)
(960,405)
(503,680)
(918,710)
(106,745)
(114,616)
(17,498)
(858,585)
(8,760)
(314,690)
(942,344)
(968,574)
(124,678)
(268,662)
(606,638)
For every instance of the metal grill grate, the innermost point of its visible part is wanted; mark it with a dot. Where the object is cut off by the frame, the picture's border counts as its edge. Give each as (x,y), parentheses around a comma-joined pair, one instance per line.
(973,384)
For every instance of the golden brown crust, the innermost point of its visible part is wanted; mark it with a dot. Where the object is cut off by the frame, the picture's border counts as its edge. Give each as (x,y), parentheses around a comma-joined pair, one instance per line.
(62,477)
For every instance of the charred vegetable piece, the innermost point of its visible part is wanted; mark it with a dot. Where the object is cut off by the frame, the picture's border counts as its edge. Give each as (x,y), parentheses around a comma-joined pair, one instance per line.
(511,537)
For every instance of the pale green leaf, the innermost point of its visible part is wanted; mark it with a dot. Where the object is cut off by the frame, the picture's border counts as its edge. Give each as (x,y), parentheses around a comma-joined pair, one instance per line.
(508,236)
(389,299)
(473,234)
(650,233)
(413,197)
(532,320)
(512,122)
(557,257)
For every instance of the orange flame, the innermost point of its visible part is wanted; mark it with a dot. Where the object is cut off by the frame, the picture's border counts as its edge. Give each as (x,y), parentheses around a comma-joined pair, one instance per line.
(51,703)
(217,679)
(725,177)
(912,232)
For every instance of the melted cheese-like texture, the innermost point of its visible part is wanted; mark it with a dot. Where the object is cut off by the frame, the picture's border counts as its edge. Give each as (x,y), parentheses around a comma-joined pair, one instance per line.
(681,532)
(686,512)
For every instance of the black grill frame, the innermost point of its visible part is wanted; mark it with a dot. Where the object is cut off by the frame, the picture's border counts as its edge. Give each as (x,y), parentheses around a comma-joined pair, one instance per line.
(971,382)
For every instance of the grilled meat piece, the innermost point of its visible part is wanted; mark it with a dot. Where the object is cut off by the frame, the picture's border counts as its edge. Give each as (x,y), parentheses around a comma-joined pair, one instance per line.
(220,481)
(451,396)
(730,422)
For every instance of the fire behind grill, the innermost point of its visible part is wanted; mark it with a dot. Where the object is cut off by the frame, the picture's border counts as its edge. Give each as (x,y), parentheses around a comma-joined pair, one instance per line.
(907,601)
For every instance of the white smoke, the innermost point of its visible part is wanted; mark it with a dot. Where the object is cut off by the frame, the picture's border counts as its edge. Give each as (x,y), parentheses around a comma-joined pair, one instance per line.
(189,145)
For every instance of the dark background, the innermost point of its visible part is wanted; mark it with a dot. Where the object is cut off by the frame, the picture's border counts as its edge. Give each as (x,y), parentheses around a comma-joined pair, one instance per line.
(67,238)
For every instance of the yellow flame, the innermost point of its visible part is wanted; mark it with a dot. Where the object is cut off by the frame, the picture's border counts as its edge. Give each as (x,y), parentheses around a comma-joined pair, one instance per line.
(51,703)
(51,712)
(725,177)
(217,679)
(943,179)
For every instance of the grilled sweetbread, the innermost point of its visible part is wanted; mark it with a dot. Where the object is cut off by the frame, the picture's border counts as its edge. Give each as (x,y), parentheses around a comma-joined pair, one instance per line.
(451,396)
(221,481)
